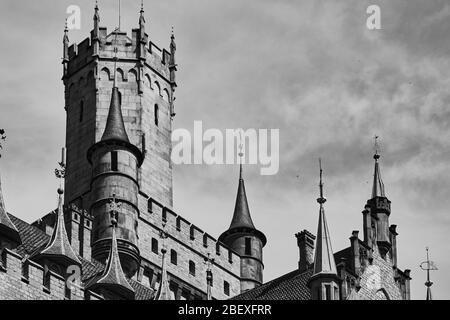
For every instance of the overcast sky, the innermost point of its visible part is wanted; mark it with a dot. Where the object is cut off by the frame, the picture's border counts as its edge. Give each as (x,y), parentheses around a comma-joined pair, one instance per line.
(309,68)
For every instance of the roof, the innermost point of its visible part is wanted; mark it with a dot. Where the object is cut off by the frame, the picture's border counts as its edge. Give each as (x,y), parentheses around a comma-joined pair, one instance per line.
(323,256)
(291,286)
(115,127)
(378,185)
(241,216)
(59,246)
(34,238)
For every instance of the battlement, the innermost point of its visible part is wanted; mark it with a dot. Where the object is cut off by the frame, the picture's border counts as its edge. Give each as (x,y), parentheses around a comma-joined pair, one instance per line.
(86,51)
(186,232)
(23,279)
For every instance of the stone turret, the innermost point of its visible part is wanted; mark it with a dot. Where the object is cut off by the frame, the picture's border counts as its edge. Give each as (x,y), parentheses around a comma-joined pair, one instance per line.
(246,240)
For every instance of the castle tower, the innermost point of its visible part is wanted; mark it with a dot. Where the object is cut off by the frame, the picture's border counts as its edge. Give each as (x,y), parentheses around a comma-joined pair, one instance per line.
(145,82)
(376,214)
(112,283)
(246,240)
(324,283)
(115,163)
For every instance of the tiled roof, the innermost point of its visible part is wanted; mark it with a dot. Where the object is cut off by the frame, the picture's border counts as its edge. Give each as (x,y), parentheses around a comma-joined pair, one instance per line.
(291,286)
(34,238)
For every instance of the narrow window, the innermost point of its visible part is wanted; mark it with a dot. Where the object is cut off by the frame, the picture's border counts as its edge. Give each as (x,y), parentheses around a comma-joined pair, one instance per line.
(226,288)
(149,206)
(178,224)
(173,257)
(81,111)
(156,115)
(113,160)
(217,248)
(192,233)
(164,216)
(191,268)
(336,293)
(230,256)
(154,245)
(248,246)
(328,292)
(147,277)
(205,241)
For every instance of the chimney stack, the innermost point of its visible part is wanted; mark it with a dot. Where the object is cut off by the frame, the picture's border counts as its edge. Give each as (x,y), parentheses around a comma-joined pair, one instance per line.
(305,242)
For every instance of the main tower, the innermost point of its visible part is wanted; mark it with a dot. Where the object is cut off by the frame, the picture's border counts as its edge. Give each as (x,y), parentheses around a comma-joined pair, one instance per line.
(145,89)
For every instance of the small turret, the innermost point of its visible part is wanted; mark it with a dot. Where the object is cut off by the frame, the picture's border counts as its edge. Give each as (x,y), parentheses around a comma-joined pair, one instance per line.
(246,240)
(58,251)
(112,284)
(324,283)
(379,207)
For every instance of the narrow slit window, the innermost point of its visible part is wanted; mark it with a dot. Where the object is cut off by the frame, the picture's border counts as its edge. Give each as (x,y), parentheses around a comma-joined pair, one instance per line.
(192,268)
(226,288)
(156,115)
(327,292)
(81,111)
(173,257)
(114,161)
(154,245)
(248,246)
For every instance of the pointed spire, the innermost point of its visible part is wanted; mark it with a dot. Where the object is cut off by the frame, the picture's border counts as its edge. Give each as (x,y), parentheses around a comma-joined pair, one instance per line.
(241,216)
(141,17)
(59,247)
(7,227)
(113,277)
(378,186)
(323,259)
(115,126)
(173,49)
(163,292)
(96,14)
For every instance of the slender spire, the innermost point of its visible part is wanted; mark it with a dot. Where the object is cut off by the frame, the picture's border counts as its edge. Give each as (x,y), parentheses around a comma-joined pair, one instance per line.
(96,14)
(428,266)
(378,185)
(241,216)
(113,276)
(66,43)
(59,246)
(115,126)
(163,292)
(7,228)
(324,259)
(141,17)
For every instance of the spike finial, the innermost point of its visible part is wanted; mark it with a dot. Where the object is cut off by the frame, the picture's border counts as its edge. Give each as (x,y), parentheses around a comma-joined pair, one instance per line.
(321,198)
(241,154)
(428,266)
(2,139)
(376,146)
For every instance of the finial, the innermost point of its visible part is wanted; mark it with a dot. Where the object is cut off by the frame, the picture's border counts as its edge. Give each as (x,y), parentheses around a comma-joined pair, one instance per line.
(114,207)
(120,17)
(66,28)
(142,6)
(60,172)
(376,156)
(172,36)
(240,154)
(2,139)
(428,266)
(115,59)
(321,198)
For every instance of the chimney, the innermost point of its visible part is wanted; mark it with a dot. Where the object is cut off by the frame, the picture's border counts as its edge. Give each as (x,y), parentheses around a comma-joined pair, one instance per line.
(305,242)
(354,243)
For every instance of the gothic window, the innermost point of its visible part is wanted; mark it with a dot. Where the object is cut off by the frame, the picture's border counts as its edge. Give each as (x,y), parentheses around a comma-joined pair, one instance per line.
(105,74)
(120,75)
(191,268)
(154,245)
(248,246)
(81,111)
(157,87)
(114,161)
(226,288)
(156,115)
(132,76)
(165,95)
(173,257)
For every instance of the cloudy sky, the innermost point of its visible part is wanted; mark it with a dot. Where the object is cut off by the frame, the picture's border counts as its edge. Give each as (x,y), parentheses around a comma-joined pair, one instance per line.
(309,68)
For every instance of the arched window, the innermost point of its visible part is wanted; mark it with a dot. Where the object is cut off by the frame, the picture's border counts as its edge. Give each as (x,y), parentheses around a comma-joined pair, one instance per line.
(105,75)
(148,81)
(156,112)
(132,75)
(120,75)
(157,87)
(166,95)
